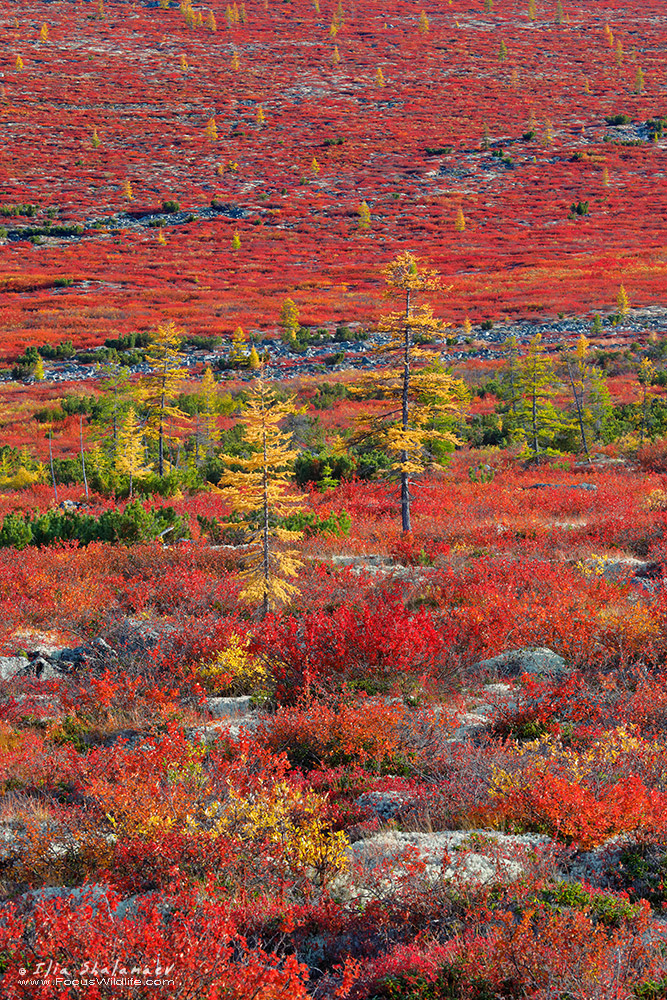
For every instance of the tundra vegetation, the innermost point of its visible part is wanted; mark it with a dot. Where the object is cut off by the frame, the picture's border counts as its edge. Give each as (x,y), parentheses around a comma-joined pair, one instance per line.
(333,501)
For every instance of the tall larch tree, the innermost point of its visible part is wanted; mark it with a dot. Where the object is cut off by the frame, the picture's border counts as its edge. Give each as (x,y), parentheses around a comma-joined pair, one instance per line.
(259,490)
(509,377)
(426,395)
(589,390)
(536,416)
(159,388)
(130,450)
(116,380)
(645,375)
(210,407)
(289,321)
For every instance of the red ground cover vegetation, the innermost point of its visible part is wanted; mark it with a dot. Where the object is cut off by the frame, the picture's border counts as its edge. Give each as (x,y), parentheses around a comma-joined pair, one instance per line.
(143,836)
(413,149)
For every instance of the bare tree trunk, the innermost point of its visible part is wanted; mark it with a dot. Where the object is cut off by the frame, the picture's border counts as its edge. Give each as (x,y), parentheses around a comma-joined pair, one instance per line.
(578,401)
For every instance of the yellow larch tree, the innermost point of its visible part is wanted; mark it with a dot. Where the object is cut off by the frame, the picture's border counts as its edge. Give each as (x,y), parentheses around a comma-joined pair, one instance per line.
(238,352)
(211,130)
(428,398)
(289,321)
(379,77)
(130,449)
(622,301)
(646,373)
(259,490)
(210,407)
(364,215)
(423,23)
(44,33)
(159,387)
(589,390)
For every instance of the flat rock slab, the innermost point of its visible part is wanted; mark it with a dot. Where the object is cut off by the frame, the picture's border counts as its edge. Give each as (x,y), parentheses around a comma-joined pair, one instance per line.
(228,708)
(476,857)
(13,666)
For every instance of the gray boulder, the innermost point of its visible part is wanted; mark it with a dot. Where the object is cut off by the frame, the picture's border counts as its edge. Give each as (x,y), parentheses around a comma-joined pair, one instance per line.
(11,666)
(43,670)
(385,805)
(539,661)
(93,895)
(228,708)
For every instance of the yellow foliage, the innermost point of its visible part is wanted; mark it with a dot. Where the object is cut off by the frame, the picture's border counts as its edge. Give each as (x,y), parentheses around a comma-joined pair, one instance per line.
(628,629)
(233,671)
(595,565)
(22,478)
(260,485)
(539,757)
(291,819)
(656,500)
